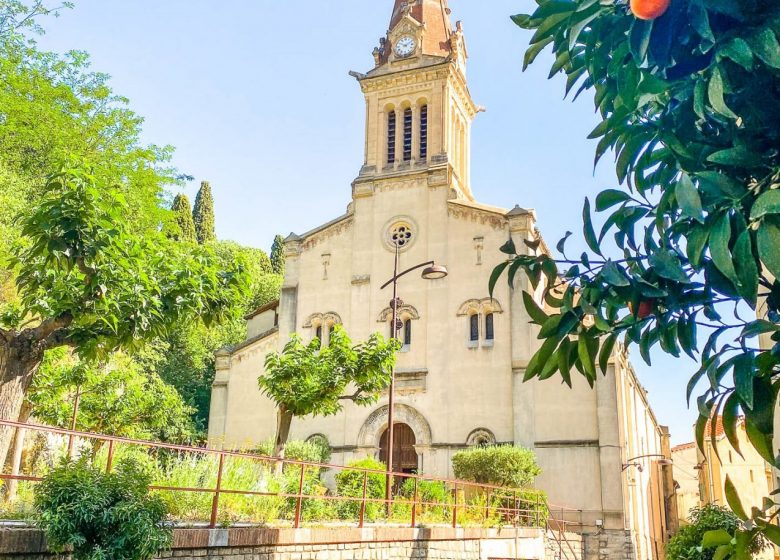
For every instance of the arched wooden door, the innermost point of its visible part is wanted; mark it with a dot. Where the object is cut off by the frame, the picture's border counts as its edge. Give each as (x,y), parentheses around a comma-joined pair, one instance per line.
(404,454)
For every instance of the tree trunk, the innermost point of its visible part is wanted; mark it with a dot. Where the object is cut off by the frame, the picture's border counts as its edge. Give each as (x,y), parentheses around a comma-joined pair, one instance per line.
(16,458)
(283,421)
(16,373)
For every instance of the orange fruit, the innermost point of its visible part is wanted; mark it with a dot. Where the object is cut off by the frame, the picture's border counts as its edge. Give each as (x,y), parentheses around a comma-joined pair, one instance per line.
(649,9)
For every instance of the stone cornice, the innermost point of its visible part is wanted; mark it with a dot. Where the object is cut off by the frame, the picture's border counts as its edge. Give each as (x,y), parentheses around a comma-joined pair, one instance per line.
(411,76)
(459,211)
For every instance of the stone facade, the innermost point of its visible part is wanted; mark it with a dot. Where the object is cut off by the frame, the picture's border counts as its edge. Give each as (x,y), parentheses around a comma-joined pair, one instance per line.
(460,377)
(436,543)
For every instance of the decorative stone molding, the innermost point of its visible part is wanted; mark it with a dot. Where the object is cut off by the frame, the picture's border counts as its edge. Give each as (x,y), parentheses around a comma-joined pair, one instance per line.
(359,280)
(377,422)
(476,306)
(404,312)
(317,319)
(480,436)
(477,216)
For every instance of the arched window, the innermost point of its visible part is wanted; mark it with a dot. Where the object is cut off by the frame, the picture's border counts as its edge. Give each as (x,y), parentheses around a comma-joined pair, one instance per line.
(408,332)
(407,134)
(489,332)
(318,334)
(424,132)
(328,331)
(391,124)
(474,328)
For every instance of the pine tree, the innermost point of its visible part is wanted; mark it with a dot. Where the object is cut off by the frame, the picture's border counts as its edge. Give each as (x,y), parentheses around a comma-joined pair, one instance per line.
(203,214)
(182,215)
(277,255)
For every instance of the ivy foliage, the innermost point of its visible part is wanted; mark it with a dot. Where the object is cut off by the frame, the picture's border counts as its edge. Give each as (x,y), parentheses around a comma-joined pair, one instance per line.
(101,516)
(690,105)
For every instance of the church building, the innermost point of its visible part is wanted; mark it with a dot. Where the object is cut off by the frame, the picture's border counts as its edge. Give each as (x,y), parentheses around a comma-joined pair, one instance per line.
(459,376)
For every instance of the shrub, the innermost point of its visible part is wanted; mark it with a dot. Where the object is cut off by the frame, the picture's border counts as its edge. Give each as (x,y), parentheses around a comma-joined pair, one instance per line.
(433,496)
(101,516)
(349,483)
(316,450)
(502,465)
(687,543)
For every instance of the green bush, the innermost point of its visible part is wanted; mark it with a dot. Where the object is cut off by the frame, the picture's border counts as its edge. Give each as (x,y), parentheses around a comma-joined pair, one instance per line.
(315,450)
(433,497)
(101,516)
(501,465)
(687,543)
(349,483)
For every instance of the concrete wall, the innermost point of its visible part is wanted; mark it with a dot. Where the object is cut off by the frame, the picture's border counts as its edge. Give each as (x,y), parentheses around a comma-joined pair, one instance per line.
(376,543)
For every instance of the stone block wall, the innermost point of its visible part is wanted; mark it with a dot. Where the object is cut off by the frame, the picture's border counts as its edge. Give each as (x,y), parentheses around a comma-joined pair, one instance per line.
(376,543)
(609,544)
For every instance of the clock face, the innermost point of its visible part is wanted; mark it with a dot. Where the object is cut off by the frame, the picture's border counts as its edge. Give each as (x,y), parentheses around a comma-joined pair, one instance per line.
(405,46)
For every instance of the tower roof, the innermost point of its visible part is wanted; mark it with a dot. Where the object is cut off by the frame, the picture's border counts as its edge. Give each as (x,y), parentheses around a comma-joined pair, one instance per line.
(435,16)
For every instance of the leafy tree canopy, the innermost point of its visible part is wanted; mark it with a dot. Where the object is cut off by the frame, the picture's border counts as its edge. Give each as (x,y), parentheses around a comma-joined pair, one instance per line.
(117,398)
(307,379)
(182,218)
(277,255)
(689,103)
(203,214)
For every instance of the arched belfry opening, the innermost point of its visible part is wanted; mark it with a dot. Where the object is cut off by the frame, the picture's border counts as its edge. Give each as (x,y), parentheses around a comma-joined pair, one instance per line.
(405,458)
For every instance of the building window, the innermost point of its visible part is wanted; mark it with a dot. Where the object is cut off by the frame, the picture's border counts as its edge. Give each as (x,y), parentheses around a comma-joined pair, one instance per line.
(489,332)
(424,132)
(474,328)
(407,135)
(318,334)
(391,137)
(408,333)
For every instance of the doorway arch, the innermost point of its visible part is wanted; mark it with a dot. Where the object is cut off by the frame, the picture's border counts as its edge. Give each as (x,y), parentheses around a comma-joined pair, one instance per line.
(405,459)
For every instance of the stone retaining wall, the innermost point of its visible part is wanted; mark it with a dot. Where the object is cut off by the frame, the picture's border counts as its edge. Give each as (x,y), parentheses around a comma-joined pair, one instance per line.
(375,543)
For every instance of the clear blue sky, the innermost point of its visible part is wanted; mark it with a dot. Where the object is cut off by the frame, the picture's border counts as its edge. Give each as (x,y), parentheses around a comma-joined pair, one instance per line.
(255,96)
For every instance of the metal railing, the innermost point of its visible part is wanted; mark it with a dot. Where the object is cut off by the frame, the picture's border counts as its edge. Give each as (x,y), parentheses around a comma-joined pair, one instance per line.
(465,502)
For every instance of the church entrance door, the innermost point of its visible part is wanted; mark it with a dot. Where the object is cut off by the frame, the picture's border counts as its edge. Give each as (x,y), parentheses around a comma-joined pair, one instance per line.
(404,453)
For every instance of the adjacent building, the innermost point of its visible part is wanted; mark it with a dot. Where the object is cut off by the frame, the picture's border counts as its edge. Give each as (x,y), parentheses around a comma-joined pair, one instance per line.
(460,372)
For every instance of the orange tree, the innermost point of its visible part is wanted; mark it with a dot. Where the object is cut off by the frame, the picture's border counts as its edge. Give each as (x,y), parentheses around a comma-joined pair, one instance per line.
(689,99)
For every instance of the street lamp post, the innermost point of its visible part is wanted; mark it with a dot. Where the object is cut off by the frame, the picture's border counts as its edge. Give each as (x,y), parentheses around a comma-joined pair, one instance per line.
(431,272)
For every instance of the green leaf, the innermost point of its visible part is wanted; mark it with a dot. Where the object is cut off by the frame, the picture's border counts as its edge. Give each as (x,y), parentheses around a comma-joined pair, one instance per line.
(715,93)
(609,198)
(586,358)
(768,240)
(767,203)
(613,275)
(732,497)
(720,238)
(735,157)
(509,248)
(758,327)
(697,240)
(667,265)
(723,184)
(534,311)
(495,276)
(766,48)
(747,269)
(743,379)
(739,51)
(762,442)
(606,352)
(590,234)
(730,421)
(719,537)
(639,39)
(533,52)
(688,198)
(552,7)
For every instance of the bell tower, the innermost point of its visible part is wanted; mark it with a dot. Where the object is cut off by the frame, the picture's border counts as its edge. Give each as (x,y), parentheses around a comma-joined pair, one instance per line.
(418,107)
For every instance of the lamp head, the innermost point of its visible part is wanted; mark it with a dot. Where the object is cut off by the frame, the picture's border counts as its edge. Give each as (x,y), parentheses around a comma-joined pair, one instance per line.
(435,272)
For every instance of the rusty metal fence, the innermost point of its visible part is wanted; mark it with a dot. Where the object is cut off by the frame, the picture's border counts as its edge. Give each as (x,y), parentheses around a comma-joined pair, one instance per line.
(464,504)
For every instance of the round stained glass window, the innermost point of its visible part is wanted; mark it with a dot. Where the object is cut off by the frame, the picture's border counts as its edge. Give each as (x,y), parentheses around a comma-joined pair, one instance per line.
(400,235)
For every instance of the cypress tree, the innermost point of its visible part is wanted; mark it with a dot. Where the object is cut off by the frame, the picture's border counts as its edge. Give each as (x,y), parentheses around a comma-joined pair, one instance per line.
(182,215)
(203,214)
(277,255)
